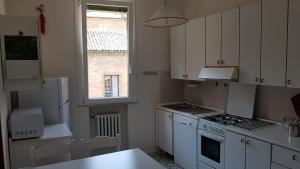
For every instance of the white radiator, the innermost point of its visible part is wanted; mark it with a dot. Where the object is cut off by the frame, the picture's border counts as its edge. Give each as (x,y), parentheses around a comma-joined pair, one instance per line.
(108,124)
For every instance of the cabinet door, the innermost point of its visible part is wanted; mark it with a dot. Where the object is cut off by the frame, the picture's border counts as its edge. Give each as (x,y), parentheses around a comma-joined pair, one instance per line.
(234,150)
(165,131)
(250,41)
(213,39)
(195,47)
(178,52)
(276,166)
(293,59)
(274,36)
(258,154)
(230,37)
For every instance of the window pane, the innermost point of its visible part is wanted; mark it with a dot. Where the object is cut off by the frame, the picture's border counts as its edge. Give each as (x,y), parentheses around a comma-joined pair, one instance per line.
(107,44)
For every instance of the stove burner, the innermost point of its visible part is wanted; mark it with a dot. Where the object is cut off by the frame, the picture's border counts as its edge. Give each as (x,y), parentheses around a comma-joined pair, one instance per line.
(226,119)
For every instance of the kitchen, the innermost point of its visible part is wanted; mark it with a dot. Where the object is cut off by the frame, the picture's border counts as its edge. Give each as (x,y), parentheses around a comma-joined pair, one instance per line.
(153,73)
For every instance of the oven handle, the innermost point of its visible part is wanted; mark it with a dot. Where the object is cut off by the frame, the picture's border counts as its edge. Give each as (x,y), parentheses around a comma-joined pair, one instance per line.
(211,136)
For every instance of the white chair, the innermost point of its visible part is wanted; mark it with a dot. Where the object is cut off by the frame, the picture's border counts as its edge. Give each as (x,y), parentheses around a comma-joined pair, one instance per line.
(50,150)
(99,142)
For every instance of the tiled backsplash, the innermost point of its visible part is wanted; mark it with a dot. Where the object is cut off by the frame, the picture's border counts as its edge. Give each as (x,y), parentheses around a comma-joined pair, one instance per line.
(272,103)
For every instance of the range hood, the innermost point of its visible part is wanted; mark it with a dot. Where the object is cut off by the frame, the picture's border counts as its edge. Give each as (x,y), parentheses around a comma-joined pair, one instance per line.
(220,73)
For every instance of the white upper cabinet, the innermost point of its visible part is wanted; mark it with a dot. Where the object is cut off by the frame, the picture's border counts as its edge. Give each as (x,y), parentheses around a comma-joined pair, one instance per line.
(195,47)
(293,56)
(213,39)
(230,38)
(178,52)
(250,42)
(274,37)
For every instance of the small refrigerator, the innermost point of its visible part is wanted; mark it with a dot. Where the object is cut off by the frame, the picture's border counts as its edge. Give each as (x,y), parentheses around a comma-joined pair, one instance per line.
(53,99)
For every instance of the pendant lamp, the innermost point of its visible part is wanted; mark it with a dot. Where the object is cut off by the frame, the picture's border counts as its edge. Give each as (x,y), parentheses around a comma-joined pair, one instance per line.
(165,17)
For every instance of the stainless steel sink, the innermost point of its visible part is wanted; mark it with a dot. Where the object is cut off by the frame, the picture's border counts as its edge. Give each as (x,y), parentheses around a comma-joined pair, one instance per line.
(188,108)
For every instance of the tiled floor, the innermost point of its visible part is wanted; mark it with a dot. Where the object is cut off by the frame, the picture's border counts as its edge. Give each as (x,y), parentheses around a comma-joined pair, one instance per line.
(166,160)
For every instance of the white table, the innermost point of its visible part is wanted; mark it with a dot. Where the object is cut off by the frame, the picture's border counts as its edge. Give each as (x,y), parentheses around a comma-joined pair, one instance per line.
(129,159)
(19,149)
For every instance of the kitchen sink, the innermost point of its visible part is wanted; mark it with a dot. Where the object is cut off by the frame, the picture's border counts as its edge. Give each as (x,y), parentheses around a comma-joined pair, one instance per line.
(188,108)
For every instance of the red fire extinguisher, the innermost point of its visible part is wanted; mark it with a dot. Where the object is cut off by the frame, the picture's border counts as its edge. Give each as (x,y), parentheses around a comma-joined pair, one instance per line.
(42,19)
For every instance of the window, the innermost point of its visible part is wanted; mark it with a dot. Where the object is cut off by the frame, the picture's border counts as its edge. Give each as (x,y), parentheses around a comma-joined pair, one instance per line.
(108,44)
(111,85)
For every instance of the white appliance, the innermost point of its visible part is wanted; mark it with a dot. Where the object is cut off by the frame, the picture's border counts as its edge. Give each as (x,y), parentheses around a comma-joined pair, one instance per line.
(185,141)
(53,99)
(211,137)
(26,123)
(221,73)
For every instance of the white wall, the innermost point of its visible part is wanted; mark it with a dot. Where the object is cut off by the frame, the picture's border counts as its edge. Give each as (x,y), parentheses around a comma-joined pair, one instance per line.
(152,54)
(2,7)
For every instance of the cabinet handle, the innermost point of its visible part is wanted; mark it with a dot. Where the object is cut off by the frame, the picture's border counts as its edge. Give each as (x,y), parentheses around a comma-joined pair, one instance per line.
(248,142)
(183,124)
(222,62)
(242,140)
(262,80)
(289,82)
(257,79)
(170,116)
(218,62)
(294,157)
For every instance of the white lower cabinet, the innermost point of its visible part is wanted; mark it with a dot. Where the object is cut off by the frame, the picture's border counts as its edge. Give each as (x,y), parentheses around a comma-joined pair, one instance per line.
(286,157)
(276,166)
(165,130)
(243,152)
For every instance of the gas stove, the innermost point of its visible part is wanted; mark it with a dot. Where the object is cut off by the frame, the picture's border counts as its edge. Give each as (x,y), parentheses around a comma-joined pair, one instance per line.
(215,124)
(226,119)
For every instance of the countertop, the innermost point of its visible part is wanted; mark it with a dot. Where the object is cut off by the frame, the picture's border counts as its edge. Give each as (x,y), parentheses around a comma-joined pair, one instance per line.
(51,132)
(194,116)
(274,134)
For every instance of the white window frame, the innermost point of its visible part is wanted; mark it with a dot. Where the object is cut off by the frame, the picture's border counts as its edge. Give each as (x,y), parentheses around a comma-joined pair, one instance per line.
(131,52)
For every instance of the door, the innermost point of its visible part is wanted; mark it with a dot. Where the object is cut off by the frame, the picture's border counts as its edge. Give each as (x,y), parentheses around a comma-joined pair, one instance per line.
(178,52)
(211,149)
(258,154)
(195,47)
(293,60)
(274,36)
(185,143)
(234,150)
(213,39)
(250,42)
(230,37)
(165,131)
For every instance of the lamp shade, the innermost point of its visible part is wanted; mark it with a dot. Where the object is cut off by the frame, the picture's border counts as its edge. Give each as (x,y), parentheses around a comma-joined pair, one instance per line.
(165,17)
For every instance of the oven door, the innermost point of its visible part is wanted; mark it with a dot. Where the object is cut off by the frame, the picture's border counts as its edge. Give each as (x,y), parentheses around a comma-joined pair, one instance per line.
(211,149)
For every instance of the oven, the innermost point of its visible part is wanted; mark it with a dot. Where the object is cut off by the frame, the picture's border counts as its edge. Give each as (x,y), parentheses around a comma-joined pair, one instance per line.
(211,149)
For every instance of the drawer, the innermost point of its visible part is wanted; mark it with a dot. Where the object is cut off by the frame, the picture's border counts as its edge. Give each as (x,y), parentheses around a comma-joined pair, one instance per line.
(286,157)
(185,120)
(275,166)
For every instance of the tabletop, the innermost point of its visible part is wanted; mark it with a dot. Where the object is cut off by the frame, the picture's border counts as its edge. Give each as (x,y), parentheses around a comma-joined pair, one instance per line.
(129,159)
